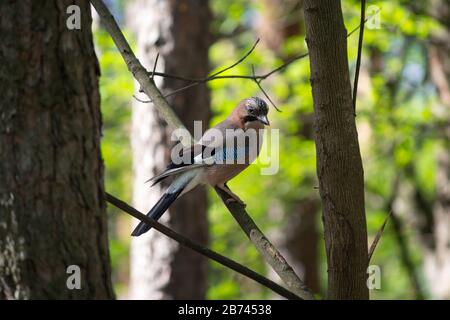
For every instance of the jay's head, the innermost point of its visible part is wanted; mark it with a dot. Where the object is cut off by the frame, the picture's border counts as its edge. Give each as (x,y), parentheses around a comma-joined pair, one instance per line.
(253,109)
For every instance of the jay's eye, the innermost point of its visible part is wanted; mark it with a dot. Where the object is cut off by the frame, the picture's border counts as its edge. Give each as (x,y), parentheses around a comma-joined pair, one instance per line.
(251,111)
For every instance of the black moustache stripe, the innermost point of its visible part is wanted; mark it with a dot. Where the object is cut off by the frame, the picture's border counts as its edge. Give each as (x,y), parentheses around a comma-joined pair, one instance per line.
(249,119)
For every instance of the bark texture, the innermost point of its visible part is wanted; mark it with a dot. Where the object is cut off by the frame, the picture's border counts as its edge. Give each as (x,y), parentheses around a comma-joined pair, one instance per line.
(52,208)
(179,32)
(339,165)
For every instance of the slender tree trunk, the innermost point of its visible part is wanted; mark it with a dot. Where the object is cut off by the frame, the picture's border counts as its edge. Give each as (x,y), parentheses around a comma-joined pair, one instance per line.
(52,208)
(339,165)
(179,32)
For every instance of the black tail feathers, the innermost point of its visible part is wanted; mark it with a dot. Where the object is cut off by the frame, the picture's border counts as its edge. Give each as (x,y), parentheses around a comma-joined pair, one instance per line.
(156,212)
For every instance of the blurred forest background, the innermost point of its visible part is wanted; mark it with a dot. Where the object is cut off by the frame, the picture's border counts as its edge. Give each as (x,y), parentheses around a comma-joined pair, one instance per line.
(403,114)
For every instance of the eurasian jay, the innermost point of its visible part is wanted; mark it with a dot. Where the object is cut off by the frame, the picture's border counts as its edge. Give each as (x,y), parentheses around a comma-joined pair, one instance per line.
(221,154)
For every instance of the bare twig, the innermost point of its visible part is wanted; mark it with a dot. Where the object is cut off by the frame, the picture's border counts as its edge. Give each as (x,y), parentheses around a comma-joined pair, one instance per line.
(378,237)
(217,76)
(270,254)
(196,81)
(214,75)
(155,65)
(237,62)
(263,91)
(283,66)
(200,249)
(140,100)
(358,59)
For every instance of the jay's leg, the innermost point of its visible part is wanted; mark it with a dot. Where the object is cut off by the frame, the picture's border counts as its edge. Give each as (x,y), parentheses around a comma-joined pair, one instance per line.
(234,197)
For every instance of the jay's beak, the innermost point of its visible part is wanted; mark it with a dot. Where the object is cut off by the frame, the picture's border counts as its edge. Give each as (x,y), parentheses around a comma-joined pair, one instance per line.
(263,119)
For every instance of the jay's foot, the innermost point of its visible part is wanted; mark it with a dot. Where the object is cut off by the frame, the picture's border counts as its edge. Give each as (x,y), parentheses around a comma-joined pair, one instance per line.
(231,200)
(234,197)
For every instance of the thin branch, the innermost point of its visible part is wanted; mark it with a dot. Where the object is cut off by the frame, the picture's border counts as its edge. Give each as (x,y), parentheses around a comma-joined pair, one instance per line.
(170,93)
(140,100)
(270,254)
(181,89)
(214,75)
(258,83)
(263,91)
(203,80)
(201,249)
(358,59)
(197,81)
(237,62)
(283,66)
(378,237)
(155,65)
(236,76)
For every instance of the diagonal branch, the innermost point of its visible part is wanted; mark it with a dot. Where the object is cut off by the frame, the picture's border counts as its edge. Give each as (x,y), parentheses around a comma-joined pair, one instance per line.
(200,249)
(270,253)
(378,237)
(258,83)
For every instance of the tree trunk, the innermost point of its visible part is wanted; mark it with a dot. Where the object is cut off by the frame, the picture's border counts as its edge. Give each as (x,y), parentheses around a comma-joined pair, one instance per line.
(339,165)
(179,32)
(52,207)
